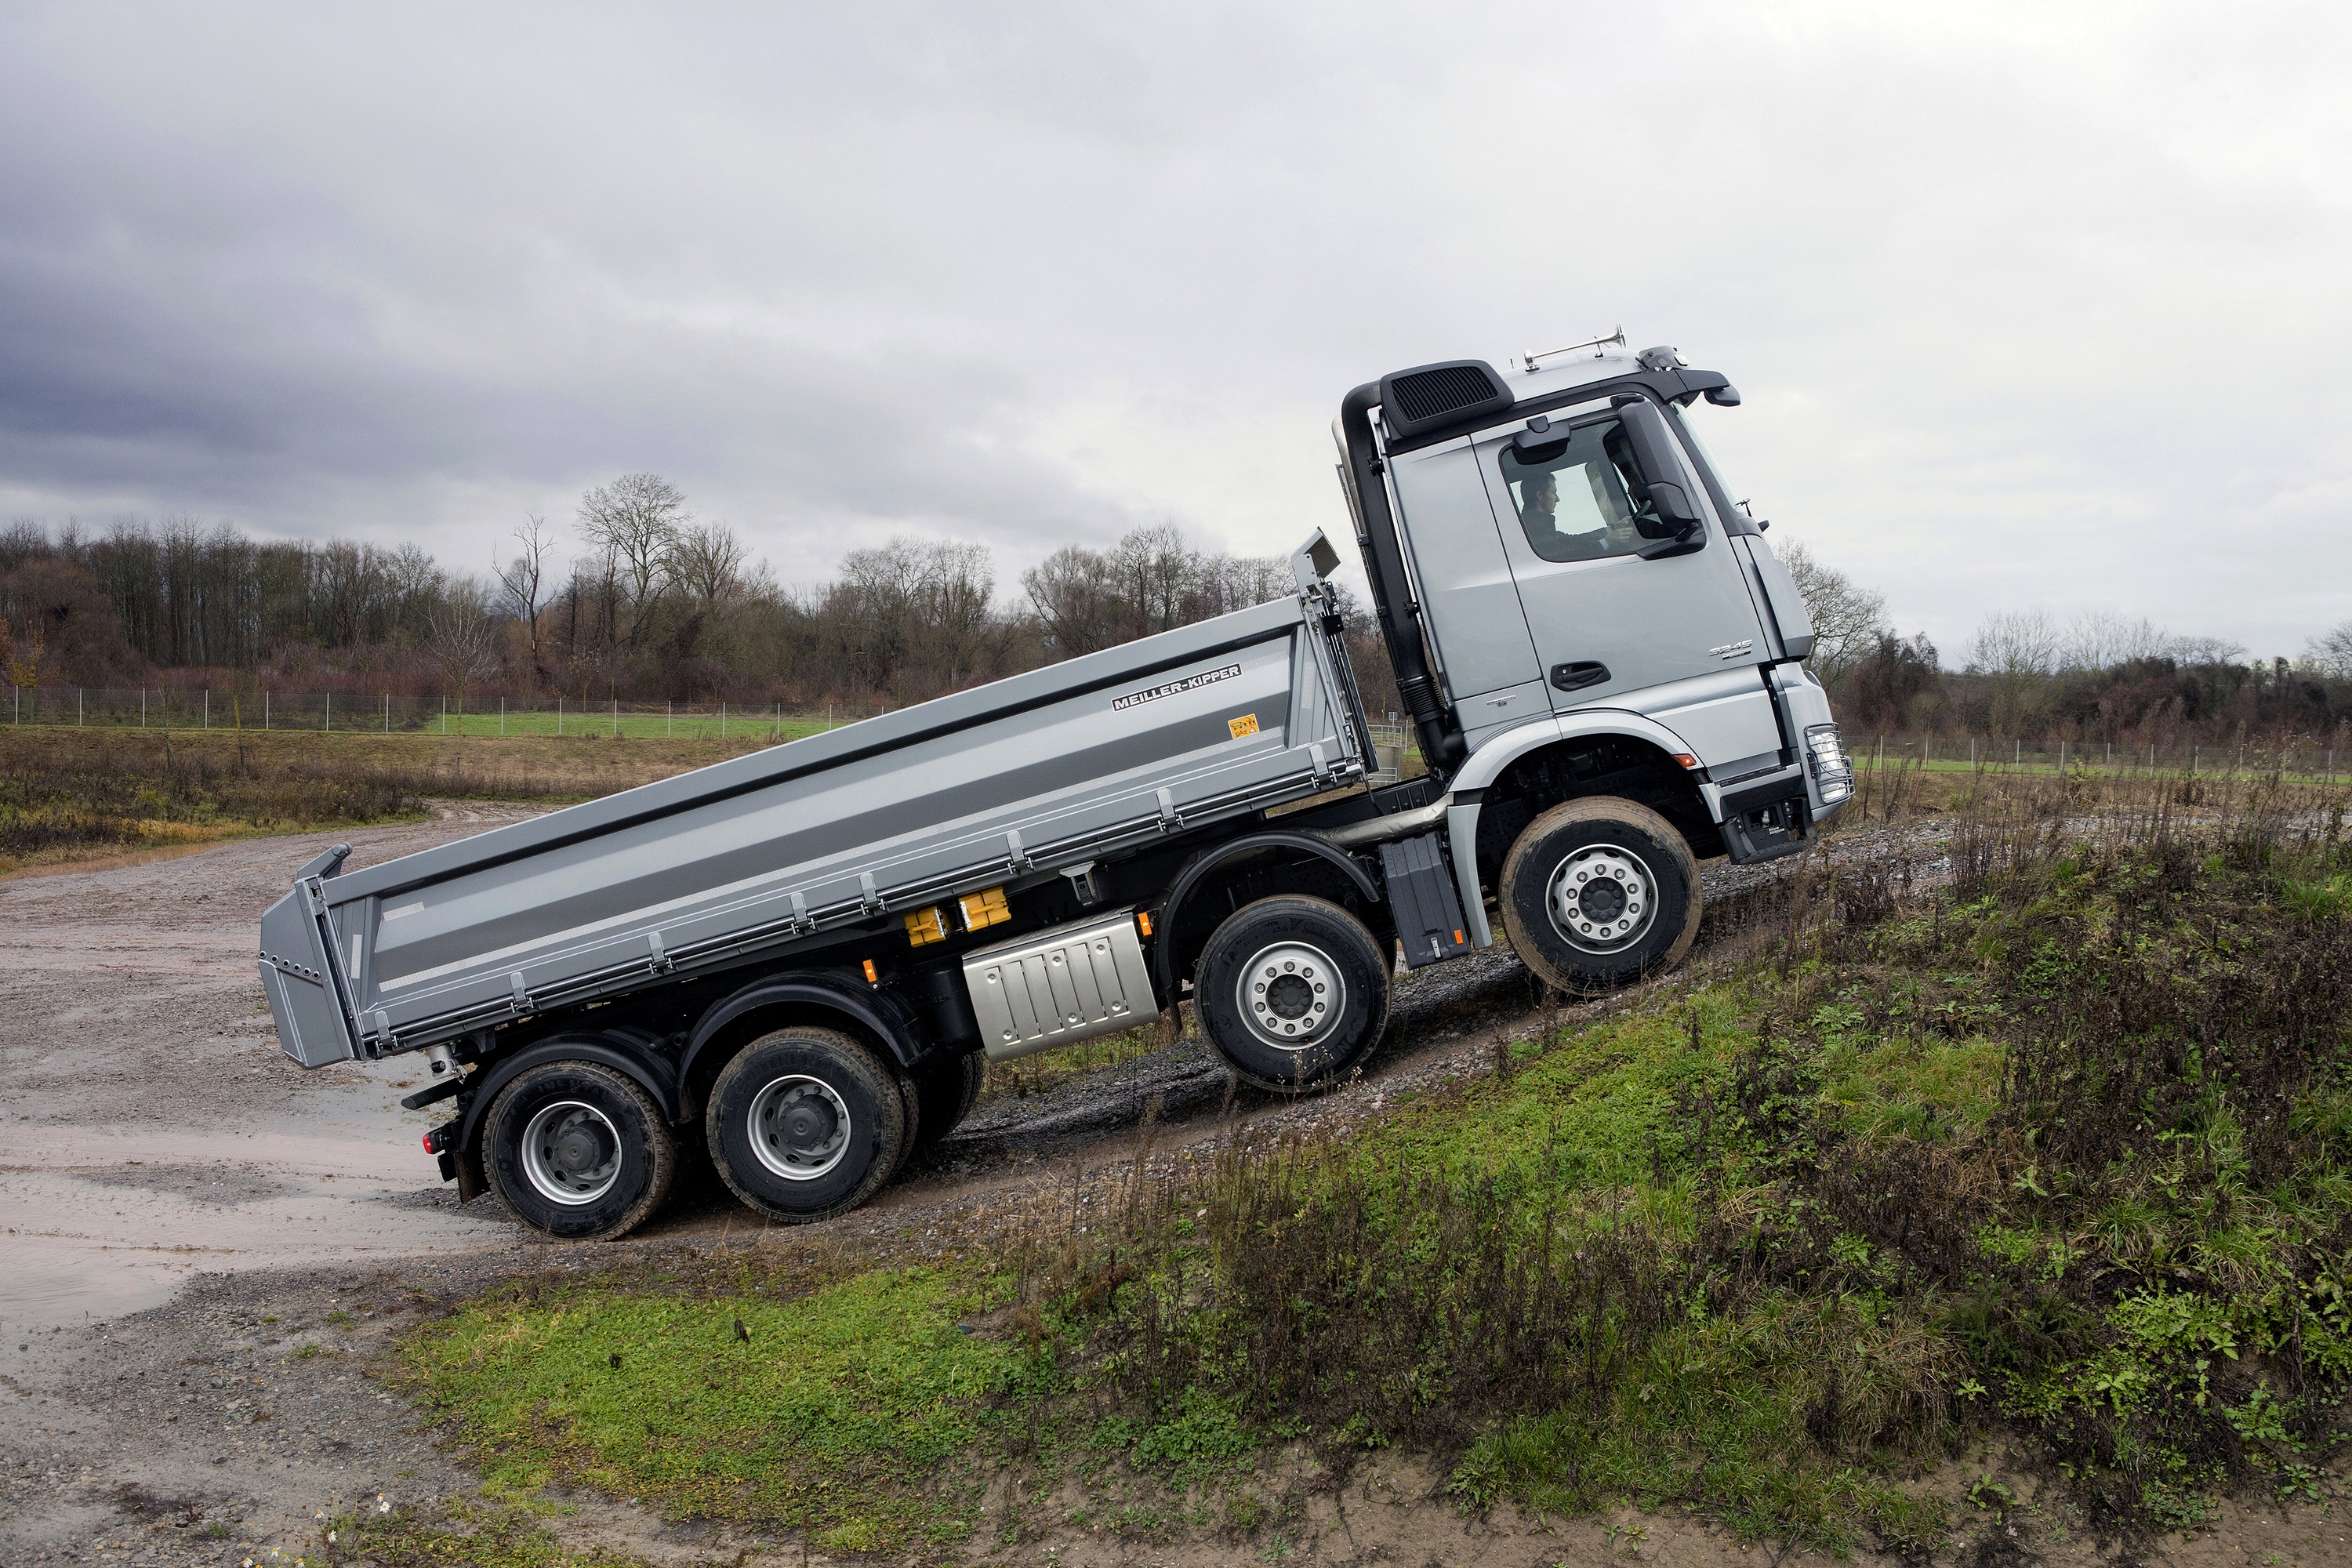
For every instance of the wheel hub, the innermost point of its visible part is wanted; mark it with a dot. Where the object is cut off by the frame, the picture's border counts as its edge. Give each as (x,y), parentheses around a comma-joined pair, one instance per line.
(1602,898)
(571,1153)
(799,1127)
(1291,995)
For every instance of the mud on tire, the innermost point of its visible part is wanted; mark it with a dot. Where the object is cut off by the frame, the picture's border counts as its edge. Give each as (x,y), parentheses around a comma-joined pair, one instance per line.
(1600,893)
(806,1123)
(578,1151)
(1293,991)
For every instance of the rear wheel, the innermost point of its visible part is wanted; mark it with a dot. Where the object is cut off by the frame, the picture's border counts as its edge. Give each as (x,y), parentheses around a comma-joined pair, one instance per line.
(805,1124)
(578,1151)
(1293,991)
(1600,893)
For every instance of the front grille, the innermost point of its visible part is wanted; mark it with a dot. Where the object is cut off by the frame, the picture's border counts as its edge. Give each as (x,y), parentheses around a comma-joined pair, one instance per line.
(1434,394)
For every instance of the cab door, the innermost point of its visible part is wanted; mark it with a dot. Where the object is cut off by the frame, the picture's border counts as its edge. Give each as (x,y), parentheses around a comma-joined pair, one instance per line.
(1674,635)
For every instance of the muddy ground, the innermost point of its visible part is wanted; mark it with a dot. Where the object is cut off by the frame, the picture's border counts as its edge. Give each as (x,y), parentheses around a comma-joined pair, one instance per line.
(207,1249)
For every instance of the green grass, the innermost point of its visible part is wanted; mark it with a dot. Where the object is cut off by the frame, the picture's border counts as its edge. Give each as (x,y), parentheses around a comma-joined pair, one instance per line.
(816,1419)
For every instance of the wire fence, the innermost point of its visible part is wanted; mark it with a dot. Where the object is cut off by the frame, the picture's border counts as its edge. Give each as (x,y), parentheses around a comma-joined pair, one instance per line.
(340,712)
(1960,754)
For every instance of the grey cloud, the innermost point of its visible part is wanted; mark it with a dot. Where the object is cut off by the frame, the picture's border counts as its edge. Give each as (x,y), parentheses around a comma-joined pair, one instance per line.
(2034,307)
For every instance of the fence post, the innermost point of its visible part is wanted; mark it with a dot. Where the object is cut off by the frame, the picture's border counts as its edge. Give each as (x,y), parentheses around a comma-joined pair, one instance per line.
(558,713)
(387,712)
(265,707)
(669,717)
(445,712)
(722,720)
(503,718)
(780,721)
(77,713)
(208,707)
(616,718)
(143,708)
(327,724)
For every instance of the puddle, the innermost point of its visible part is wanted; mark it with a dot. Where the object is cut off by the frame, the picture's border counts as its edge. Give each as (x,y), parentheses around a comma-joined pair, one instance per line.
(99,1222)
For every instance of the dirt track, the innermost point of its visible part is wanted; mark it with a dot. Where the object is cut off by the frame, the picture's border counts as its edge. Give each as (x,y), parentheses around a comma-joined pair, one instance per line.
(206,1246)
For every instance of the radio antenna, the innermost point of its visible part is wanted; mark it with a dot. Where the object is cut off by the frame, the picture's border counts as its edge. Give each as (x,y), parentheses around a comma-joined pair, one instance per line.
(1617,337)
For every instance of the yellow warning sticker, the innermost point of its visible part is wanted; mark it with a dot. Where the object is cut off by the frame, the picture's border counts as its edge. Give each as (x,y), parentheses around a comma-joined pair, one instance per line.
(1244,725)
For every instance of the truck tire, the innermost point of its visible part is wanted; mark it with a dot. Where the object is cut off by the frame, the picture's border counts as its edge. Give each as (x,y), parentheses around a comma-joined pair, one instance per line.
(1293,991)
(806,1123)
(1598,893)
(947,1091)
(577,1150)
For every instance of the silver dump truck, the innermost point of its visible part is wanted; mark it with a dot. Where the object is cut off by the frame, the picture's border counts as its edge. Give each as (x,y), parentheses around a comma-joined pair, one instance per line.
(805,957)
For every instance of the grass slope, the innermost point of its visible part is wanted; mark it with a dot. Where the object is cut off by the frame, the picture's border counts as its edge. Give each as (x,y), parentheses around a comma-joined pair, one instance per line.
(2061,1150)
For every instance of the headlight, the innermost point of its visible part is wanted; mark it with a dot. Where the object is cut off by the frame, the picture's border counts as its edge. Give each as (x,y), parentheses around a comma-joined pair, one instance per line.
(1825,755)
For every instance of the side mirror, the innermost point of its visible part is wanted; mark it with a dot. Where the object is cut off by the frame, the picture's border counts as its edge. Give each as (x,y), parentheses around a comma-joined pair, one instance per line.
(1653,447)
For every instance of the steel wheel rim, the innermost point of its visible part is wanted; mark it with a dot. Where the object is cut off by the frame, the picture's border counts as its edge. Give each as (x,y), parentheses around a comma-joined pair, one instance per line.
(1601,898)
(800,1127)
(571,1152)
(1291,996)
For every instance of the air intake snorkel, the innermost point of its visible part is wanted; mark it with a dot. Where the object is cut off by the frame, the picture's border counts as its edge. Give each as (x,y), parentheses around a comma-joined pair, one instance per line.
(1442,747)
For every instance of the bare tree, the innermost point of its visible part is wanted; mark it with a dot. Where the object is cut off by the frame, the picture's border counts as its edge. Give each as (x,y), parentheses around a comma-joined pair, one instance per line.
(414,581)
(1848,619)
(1071,595)
(462,633)
(1156,572)
(2332,650)
(953,600)
(2015,643)
(522,584)
(2101,639)
(634,523)
(1230,583)
(2205,650)
(707,561)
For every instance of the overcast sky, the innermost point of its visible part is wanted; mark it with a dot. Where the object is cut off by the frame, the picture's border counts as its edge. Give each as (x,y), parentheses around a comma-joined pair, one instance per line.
(2032,306)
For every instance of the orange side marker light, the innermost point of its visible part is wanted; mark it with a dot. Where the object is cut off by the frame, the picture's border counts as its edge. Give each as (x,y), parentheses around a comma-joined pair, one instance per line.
(1144,922)
(871,978)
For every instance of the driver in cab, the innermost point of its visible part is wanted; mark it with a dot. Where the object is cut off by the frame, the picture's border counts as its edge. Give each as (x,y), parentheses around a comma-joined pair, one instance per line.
(1539,509)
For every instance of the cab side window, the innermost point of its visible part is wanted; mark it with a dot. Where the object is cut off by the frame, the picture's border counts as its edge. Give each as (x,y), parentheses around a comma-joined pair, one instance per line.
(1580,497)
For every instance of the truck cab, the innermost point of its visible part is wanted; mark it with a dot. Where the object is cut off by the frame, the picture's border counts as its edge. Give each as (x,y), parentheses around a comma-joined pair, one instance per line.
(1578,612)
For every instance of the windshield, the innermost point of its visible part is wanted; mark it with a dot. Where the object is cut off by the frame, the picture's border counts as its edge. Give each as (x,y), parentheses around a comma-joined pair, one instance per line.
(1706,453)
(1578,498)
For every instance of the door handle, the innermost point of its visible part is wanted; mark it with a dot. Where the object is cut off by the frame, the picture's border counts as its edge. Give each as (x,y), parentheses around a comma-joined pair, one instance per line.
(1576,677)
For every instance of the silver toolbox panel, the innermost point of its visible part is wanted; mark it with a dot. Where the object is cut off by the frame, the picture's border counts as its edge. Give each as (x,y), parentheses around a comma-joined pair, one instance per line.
(1067,984)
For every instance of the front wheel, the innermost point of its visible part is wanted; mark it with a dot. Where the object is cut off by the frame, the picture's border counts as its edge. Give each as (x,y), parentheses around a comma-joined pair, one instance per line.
(1598,893)
(805,1124)
(1293,991)
(577,1150)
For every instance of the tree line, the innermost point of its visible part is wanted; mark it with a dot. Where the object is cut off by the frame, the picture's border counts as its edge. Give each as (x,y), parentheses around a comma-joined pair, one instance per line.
(2099,675)
(643,602)
(646,602)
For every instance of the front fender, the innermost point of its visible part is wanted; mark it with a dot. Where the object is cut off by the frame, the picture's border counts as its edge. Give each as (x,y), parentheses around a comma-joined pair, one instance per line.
(1489,762)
